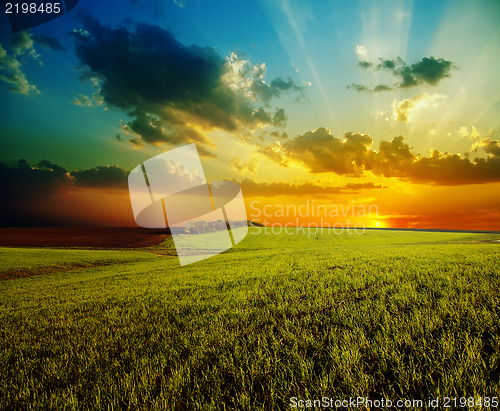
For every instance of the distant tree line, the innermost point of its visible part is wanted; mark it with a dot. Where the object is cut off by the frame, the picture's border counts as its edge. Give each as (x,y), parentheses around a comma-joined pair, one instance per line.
(200,227)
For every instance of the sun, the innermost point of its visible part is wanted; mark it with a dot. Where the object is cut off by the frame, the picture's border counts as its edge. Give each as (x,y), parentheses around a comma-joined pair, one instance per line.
(379,224)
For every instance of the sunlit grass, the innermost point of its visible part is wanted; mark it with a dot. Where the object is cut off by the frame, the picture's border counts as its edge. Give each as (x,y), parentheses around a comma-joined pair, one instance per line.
(387,314)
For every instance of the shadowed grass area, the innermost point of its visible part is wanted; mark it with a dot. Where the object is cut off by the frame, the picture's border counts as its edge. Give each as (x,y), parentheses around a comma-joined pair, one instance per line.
(384,315)
(27,262)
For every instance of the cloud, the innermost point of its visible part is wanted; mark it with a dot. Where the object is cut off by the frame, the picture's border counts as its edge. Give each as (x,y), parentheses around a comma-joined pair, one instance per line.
(175,92)
(381,87)
(321,152)
(277,134)
(279,86)
(364,186)
(250,166)
(22,44)
(361,52)
(48,42)
(10,64)
(101,176)
(279,119)
(405,110)
(79,33)
(150,129)
(275,152)
(449,169)
(360,87)
(35,194)
(33,181)
(24,187)
(46,176)
(247,78)
(472,135)
(428,71)
(251,188)
(95,100)
(490,146)
(262,116)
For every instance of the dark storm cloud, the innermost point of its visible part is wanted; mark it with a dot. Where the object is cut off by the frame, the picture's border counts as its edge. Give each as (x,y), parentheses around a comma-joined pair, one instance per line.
(168,87)
(25,187)
(22,181)
(101,176)
(48,166)
(428,70)
(151,131)
(148,67)
(353,155)
(28,190)
(149,128)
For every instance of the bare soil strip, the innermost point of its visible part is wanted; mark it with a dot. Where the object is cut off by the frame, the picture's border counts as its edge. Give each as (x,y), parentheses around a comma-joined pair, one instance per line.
(93,237)
(15,273)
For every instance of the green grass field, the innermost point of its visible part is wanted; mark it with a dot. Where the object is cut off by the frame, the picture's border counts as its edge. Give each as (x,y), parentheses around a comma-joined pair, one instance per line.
(387,314)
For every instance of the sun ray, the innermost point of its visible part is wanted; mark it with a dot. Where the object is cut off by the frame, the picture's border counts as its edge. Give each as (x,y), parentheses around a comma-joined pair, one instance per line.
(285,5)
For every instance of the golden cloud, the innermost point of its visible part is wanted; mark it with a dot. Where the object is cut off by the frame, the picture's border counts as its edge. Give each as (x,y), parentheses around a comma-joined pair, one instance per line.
(406,110)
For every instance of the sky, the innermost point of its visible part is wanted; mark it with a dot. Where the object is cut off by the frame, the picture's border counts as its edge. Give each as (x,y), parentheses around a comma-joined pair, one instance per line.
(380,113)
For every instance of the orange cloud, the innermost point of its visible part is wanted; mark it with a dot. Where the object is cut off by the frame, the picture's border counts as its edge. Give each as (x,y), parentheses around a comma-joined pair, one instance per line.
(322,152)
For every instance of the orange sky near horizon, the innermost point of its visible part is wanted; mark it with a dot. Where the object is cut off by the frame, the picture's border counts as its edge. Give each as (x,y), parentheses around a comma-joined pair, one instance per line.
(426,207)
